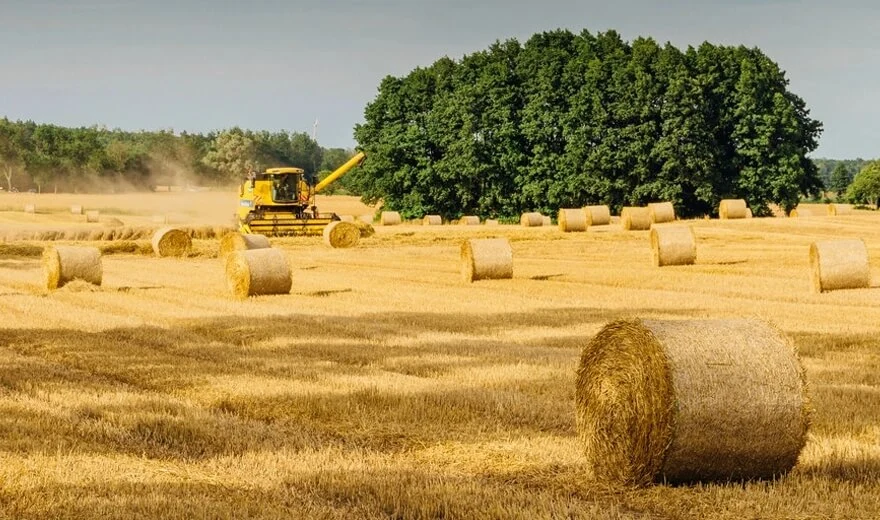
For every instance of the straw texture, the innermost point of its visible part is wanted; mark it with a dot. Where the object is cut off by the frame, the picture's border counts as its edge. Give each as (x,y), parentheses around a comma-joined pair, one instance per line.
(839,264)
(366,229)
(64,264)
(432,220)
(749,213)
(840,209)
(238,242)
(598,215)
(686,401)
(258,271)
(673,245)
(469,220)
(661,212)
(486,259)
(635,219)
(732,208)
(546,220)
(341,235)
(390,218)
(572,220)
(169,241)
(531,220)
(76,209)
(93,216)
(30,208)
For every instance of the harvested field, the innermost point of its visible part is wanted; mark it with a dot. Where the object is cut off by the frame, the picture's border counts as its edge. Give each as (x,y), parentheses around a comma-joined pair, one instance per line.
(382,386)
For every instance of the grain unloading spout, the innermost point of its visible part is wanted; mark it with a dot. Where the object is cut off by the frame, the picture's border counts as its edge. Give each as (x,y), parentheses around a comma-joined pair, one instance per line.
(342,170)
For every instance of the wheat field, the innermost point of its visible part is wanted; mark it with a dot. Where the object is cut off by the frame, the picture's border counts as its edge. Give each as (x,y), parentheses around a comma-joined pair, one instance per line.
(384,387)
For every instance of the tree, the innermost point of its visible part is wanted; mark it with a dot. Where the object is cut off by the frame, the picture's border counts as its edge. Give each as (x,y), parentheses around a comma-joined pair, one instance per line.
(841,178)
(11,150)
(865,187)
(232,153)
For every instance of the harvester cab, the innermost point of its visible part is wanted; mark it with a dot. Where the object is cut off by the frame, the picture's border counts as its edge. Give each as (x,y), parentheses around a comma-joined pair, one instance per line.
(281,201)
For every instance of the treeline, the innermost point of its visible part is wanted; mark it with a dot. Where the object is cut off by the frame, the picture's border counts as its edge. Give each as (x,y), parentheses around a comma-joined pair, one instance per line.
(565,120)
(50,157)
(837,175)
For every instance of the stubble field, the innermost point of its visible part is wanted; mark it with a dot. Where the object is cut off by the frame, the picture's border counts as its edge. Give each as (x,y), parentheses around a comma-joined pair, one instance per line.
(384,387)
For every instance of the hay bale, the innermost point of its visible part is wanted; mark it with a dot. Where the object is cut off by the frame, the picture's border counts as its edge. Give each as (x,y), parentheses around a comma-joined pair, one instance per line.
(341,235)
(546,220)
(749,213)
(598,215)
(346,218)
(76,209)
(661,212)
(492,222)
(231,242)
(469,220)
(793,213)
(673,245)
(732,209)
(389,218)
(93,216)
(635,218)
(531,220)
(64,264)
(839,264)
(432,220)
(169,241)
(258,271)
(840,209)
(365,218)
(686,401)
(486,259)
(572,220)
(366,229)
(30,208)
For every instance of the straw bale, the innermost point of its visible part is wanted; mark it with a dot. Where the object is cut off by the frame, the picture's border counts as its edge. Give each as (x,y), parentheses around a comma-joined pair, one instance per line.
(469,220)
(93,216)
(486,259)
(365,228)
(169,241)
(793,213)
(492,222)
(661,212)
(341,235)
(346,218)
(365,218)
(840,209)
(732,208)
(546,220)
(238,242)
(572,220)
(673,245)
(76,209)
(30,208)
(531,220)
(839,264)
(64,264)
(688,401)
(598,215)
(390,218)
(258,271)
(635,218)
(749,213)
(432,220)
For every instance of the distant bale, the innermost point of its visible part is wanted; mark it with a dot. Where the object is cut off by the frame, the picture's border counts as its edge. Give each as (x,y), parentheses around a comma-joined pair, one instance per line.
(732,209)
(486,259)
(30,208)
(365,218)
(546,220)
(169,241)
(673,245)
(366,229)
(598,215)
(793,213)
(258,271)
(346,218)
(76,209)
(231,242)
(469,220)
(635,218)
(93,216)
(840,209)
(839,264)
(661,212)
(572,220)
(341,235)
(748,212)
(492,222)
(531,220)
(390,218)
(432,220)
(64,264)
(689,401)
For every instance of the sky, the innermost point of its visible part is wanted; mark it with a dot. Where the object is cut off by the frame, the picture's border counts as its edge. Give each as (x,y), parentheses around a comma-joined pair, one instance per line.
(201,65)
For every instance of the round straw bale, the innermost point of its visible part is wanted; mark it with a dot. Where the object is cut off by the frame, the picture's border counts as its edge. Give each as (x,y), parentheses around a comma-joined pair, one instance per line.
(531,220)
(238,242)
(169,241)
(469,220)
(341,235)
(258,271)
(635,218)
(839,209)
(76,209)
(346,218)
(390,218)
(732,208)
(432,220)
(365,228)
(687,401)
(571,220)
(793,213)
(486,259)
(93,216)
(30,208)
(673,245)
(492,222)
(661,212)
(64,264)
(598,215)
(839,264)
(749,213)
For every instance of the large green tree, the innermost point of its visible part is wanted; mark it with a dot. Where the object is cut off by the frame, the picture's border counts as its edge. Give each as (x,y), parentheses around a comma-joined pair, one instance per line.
(865,188)
(841,178)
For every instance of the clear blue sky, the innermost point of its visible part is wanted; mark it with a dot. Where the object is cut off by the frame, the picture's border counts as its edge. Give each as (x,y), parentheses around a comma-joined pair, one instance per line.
(200,65)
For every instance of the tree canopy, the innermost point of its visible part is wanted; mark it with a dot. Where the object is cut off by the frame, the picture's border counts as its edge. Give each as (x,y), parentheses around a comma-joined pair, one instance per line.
(566,120)
(865,188)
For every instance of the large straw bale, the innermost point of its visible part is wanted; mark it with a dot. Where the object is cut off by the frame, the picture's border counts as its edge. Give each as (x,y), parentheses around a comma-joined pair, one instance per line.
(432,220)
(531,220)
(840,209)
(64,264)
(30,208)
(687,401)
(390,218)
(93,216)
(238,242)
(732,208)
(486,259)
(598,215)
(673,245)
(169,241)
(76,209)
(341,235)
(469,220)
(572,220)
(839,264)
(346,218)
(258,271)
(635,218)
(661,212)
(365,228)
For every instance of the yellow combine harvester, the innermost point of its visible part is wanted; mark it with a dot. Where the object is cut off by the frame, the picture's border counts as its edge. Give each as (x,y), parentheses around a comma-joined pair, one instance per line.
(281,201)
